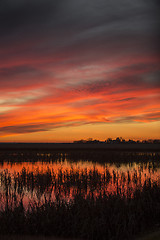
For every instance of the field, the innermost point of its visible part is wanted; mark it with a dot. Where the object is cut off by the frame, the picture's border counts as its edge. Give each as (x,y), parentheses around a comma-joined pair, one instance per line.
(82,195)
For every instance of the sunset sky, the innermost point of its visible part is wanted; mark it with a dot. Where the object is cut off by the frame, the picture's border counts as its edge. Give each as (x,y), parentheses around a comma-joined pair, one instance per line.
(73,69)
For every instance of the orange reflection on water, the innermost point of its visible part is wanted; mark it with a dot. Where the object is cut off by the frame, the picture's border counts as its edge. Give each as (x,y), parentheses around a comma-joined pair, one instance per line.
(41,181)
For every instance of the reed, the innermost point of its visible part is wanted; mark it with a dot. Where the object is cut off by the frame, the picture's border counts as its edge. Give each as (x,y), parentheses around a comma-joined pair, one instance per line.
(66,183)
(106,217)
(88,203)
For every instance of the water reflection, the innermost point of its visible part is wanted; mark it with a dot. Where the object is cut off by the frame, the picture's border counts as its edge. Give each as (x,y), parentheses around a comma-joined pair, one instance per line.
(38,182)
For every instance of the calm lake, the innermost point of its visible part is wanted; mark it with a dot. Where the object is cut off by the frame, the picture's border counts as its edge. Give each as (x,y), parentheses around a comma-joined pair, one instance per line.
(51,178)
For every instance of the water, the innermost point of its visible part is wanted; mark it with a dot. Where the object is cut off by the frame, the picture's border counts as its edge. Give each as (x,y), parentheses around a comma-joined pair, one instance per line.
(62,179)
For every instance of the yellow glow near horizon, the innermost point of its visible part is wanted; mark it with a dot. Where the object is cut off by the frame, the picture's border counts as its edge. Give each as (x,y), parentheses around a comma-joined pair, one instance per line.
(96,131)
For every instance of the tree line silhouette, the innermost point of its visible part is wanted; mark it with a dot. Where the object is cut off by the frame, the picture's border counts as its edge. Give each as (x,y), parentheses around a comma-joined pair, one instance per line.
(118,140)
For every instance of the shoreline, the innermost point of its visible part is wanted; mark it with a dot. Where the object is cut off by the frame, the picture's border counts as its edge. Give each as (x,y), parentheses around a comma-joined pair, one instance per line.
(147,147)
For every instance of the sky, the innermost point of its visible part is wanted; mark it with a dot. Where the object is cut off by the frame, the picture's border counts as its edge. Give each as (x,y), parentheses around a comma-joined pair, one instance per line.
(74,69)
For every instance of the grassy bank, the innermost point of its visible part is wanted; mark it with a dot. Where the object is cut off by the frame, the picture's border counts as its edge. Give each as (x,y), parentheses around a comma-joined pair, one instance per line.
(107,217)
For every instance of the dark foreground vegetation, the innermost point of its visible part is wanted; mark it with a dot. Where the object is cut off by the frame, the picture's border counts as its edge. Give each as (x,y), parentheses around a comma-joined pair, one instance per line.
(86,203)
(106,217)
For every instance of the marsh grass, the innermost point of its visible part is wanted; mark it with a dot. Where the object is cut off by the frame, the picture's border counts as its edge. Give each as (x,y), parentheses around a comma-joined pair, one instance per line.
(80,203)
(41,184)
(106,217)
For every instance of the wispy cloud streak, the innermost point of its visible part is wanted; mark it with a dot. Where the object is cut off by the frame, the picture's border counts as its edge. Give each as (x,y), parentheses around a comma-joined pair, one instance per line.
(72,63)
